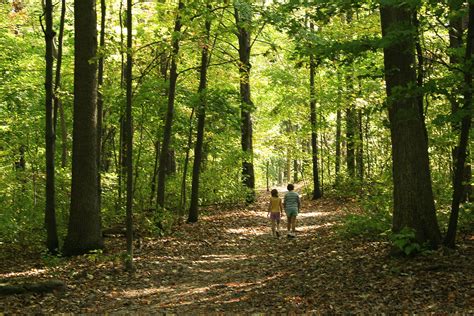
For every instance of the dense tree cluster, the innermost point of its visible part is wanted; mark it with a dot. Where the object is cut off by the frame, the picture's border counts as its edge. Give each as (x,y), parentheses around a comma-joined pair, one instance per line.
(105,106)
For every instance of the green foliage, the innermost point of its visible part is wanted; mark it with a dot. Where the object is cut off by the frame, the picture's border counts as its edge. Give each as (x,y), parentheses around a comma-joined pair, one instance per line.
(405,241)
(375,219)
(51,261)
(160,222)
(369,225)
(466,219)
(346,45)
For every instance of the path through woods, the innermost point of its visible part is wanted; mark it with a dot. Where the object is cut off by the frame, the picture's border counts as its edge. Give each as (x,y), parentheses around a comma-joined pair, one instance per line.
(229,262)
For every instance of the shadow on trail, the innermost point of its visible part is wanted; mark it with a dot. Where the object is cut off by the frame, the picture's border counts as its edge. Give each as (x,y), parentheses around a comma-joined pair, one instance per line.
(229,261)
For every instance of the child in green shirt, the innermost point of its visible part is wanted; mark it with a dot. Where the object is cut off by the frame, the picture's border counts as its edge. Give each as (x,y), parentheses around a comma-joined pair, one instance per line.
(292,207)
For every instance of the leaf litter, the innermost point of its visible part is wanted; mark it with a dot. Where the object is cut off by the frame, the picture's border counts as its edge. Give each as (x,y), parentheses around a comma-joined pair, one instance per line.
(229,262)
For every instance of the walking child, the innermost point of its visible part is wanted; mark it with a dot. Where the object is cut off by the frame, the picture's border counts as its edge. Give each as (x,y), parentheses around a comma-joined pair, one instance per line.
(275,211)
(292,207)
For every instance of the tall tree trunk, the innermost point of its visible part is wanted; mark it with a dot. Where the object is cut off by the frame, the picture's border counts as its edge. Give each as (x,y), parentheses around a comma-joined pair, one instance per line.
(366,136)
(350,120)
(129,141)
(50,211)
(58,106)
(350,133)
(295,170)
(201,117)
(122,167)
(338,130)
(267,175)
(155,173)
(186,164)
(100,99)
(314,126)
(459,170)
(164,155)
(456,29)
(420,72)
(360,147)
(84,230)
(62,122)
(242,19)
(413,195)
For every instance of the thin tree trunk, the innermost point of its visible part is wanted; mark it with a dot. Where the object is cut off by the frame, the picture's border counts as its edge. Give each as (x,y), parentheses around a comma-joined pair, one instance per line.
(350,120)
(185,165)
(420,72)
(170,111)
(366,134)
(455,42)
(129,141)
(413,196)
(50,210)
(58,106)
(243,35)
(338,130)
(155,173)
(459,174)
(62,122)
(122,136)
(100,99)
(350,132)
(314,125)
(338,145)
(201,116)
(360,147)
(267,175)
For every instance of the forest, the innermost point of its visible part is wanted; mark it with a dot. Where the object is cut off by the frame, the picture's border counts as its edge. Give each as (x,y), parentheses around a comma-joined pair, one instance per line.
(139,142)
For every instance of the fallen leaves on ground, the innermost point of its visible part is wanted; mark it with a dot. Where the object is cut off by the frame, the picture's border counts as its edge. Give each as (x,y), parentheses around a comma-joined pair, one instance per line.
(230,262)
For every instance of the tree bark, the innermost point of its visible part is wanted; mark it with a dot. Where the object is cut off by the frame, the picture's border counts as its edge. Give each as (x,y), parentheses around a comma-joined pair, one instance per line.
(58,106)
(129,140)
(164,155)
(413,196)
(314,125)
(350,131)
(100,99)
(338,130)
(456,29)
(360,147)
(201,117)
(52,242)
(84,230)
(459,170)
(246,104)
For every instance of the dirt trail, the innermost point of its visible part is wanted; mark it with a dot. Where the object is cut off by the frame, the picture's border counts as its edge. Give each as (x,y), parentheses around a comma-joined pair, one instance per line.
(229,262)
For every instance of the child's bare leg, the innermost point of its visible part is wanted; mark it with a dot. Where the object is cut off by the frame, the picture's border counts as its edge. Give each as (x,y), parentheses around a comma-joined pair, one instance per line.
(273,227)
(293,223)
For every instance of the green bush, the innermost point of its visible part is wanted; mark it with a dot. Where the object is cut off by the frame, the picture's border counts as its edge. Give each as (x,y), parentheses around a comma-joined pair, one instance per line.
(371,226)
(405,241)
(375,219)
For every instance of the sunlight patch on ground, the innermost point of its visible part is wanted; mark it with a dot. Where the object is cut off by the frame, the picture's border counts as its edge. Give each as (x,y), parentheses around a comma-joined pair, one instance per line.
(218,293)
(222,258)
(245,231)
(312,214)
(234,214)
(313,227)
(32,272)
(142,292)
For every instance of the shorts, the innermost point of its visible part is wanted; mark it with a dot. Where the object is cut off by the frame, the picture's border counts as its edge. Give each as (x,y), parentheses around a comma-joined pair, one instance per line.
(291,212)
(275,216)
